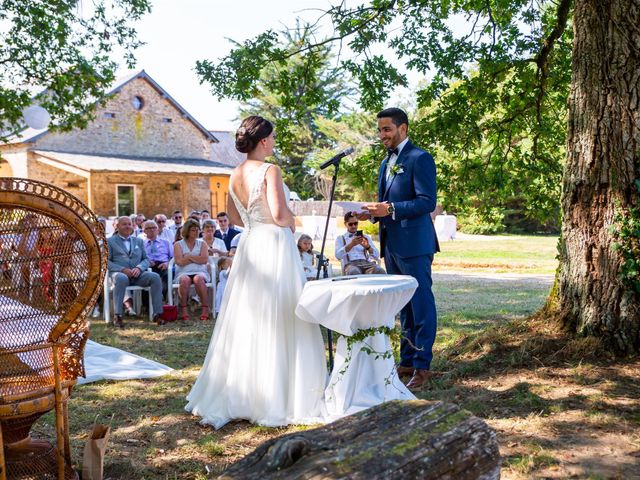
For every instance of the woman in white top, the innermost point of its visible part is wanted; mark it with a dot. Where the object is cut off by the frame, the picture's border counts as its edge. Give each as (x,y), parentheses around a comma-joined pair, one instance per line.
(191,258)
(215,245)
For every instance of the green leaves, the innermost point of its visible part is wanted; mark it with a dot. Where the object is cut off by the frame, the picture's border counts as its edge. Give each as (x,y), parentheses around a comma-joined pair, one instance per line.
(292,90)
(493,110)
(64,48)
(625,231)
(236,75)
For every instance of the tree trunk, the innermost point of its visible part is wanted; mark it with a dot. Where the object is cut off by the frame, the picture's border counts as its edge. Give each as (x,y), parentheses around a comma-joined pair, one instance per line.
(603,161)
(411,439)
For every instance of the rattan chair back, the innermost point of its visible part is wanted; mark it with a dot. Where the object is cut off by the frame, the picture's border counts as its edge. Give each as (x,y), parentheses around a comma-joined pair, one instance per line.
(53,258)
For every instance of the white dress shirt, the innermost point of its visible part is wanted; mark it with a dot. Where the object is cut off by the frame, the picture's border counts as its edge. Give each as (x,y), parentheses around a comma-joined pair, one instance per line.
(357,252)
(393,158)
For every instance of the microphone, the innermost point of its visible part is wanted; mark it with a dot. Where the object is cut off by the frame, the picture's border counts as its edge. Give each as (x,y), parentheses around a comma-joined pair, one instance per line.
(336,159)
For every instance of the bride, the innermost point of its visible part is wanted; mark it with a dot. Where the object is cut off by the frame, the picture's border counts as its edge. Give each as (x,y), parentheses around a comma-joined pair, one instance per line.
(263,364)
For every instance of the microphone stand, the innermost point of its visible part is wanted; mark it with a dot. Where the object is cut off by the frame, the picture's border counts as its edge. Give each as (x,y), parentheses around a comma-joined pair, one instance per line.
(322,258)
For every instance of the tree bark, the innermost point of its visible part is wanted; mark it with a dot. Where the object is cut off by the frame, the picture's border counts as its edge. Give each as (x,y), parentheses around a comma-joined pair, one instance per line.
(411,439)
(603,162)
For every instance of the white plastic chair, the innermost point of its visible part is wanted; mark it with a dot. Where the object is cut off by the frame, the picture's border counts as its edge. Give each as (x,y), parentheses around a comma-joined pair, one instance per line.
(134,290)
(213,268)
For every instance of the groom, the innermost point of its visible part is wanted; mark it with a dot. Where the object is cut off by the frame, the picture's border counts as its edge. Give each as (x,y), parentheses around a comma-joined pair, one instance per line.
(406,197)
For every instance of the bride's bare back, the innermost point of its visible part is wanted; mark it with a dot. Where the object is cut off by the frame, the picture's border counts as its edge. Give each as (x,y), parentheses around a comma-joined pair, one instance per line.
(241,185)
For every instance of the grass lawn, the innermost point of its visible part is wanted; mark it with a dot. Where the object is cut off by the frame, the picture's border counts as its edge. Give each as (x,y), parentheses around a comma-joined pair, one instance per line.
(560,407)
(499,254)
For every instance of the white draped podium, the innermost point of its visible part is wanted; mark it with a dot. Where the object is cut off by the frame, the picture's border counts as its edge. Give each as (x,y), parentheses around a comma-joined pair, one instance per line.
(347,305)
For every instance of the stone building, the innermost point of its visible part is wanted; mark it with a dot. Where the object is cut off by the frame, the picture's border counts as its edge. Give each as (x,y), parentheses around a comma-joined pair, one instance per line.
(142,153)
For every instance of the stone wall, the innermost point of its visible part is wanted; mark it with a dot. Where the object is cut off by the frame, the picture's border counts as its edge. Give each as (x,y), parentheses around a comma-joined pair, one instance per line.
(156,130)
(155,192)
(74,184)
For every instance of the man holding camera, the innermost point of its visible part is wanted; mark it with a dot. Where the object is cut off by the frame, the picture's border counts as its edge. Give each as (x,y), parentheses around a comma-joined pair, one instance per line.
(356,250)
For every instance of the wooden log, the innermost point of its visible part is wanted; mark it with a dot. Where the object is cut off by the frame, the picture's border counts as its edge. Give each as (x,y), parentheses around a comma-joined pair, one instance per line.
(398,439)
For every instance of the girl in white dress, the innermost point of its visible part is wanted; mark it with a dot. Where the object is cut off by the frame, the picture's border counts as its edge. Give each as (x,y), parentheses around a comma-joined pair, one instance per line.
(305,247)
(224,268)
(263,364)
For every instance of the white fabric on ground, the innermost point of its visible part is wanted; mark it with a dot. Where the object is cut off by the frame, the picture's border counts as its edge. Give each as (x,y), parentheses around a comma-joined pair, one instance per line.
(108,363)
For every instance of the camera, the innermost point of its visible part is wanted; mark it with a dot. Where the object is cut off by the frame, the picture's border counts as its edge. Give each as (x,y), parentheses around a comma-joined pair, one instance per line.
(358,233)
(322,260)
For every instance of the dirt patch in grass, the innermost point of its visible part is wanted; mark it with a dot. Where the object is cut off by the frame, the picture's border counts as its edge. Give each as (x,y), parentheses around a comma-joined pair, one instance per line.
(560,406)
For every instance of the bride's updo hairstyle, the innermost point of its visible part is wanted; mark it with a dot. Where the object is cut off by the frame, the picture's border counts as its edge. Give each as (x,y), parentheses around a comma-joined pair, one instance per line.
(251,131)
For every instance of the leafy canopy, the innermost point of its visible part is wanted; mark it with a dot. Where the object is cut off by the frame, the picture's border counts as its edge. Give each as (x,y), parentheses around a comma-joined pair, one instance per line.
(313,88)
(65,47)
(494,106)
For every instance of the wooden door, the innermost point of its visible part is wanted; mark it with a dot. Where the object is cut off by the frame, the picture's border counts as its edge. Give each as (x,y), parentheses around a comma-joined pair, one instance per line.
(219,187)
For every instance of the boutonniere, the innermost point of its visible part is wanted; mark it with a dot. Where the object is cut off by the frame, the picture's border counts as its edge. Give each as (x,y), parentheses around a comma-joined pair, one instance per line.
(397,169)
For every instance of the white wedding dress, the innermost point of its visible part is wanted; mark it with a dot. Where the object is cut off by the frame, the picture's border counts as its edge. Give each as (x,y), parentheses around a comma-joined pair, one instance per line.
(263,364)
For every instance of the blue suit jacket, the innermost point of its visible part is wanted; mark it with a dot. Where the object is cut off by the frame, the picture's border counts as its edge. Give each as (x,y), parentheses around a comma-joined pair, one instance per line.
(119,258)
(413,194)
(232,232)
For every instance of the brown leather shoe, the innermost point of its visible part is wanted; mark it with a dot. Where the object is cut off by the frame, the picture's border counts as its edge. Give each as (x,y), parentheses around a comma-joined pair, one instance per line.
(159,319)
(404,372)
(419,380)
(117,321)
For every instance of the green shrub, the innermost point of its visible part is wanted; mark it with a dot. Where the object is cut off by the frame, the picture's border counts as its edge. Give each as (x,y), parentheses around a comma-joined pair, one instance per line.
(481,222)
(369,228)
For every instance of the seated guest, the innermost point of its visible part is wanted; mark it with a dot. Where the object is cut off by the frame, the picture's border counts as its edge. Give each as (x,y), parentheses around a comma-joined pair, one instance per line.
(26,246)
(234,245)
(196,215)
(138,223)
(159,252)
(45,247)
(177,222)
(215,246)
(191,259)
(226,233)
(356,250)
(204,215)
(224,267)
(71,266)
(163,231)
(128,265)
(305,247)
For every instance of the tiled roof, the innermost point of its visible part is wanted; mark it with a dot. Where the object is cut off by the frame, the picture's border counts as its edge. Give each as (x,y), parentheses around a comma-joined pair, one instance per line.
(225,150)
(27,135)
(112,163)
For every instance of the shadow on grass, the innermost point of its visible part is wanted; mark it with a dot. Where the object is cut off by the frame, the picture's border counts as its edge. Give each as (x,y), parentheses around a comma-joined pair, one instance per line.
(565,392)
(178,344)
(483,336)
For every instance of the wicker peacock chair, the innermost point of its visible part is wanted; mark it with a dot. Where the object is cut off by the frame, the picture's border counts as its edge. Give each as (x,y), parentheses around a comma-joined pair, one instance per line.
(53,258)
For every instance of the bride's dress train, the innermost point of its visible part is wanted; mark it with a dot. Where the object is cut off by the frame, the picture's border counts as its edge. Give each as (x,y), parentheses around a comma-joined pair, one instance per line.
(263,364)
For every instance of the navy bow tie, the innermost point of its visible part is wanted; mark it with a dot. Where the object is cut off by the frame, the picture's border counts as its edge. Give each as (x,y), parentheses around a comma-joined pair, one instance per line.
(392,151)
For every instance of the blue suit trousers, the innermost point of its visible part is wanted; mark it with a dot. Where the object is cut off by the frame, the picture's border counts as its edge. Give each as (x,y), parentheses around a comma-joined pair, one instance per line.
(418,318)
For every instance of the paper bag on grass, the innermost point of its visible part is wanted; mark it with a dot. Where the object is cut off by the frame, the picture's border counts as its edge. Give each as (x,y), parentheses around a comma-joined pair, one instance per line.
(93,457)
